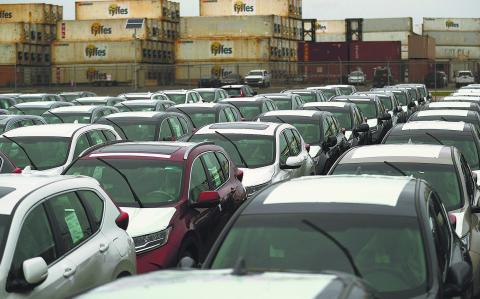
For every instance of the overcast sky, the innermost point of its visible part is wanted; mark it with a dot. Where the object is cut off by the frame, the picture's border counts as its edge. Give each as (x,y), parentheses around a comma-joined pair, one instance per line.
(340,9)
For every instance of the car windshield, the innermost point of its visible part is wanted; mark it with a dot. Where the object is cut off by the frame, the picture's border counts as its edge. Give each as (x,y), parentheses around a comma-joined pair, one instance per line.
(344,118)
(27,111)
(255,73)
(387,102)
(466,144)
(249,111)
(136,108)
(402,98)
(208,96)
(307,97)
(177,98)
(394,266)
(345,90)
(443,178)
(70,97)
(45,152)
(136,131)
(329,93)
(201,118)
(282,103)
(155,182)
(257,150)
(368,108)
(81,118)
(234,92)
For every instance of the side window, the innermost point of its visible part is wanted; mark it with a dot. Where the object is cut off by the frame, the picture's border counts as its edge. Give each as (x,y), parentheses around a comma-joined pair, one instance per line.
(265,107)
(198,180)
(230,114)
(184,123)
(26,123)
(295,147)
(223,116)
(327,132)
(470,183)
(96,137)
(94,204)
(335,125)
(82,145)
(214,169)
(35,240)
(224,163)
(109,135)
(284,150)
(165,131)
(440,229)
(176,127)
(298,138)
(71,218)
(190,98)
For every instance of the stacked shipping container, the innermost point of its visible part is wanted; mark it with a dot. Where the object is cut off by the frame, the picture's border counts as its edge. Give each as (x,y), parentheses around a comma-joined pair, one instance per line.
(26,31)
(99,38)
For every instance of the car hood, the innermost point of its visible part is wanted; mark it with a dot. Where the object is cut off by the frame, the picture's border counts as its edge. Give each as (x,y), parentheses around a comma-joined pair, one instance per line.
(144,221)
(213,283)
(257,176)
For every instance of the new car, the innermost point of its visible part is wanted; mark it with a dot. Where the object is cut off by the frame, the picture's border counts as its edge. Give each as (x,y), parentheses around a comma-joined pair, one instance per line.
(98,101)
(376,116)
(144,105)
(391,104)
(345,90)
(78,114)
(463,136)
(56,232)
(307,95)
(328,92)
(319,129)
(183,96)
(351,120)
(212,95)
(422,90)
(239,91)
(285,101)
(36,108)
(471,117)
(38,97)
(461,98)
(149,126)
(70,96)
(265,152)
(208,113)
(471,106)
(10,122)
(178,195)
(357,78)
(393,232)
(50,148)
(251,108)
(408,104)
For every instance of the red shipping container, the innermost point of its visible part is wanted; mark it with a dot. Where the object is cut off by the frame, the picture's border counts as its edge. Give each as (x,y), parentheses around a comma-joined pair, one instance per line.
(324,51)
(375,51)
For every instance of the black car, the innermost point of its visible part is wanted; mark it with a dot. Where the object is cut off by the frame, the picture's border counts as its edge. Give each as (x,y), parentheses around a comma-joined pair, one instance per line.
(351,120)
(462,135)
(382,77)
(319,129)
(149,126)
(251,108)
(393,232)
(379,120)
(203,114)
(391,104)
(10,122)
(144,105)
(471,117)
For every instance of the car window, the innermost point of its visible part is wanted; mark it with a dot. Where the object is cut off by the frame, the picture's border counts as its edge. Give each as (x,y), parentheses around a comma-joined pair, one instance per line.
(184,124)
(26,123)
(198,180)
(284,150)
(328,127)
(357,118)
(165,131)
(214,169)
(35,240)
(223,116)
(71,218)
(292,142)
(176,127)
(230,115)
(94,204)
(470,183)
(82,145)
(298,138)
(335,125)
(440,231)
(109,135)
(96,137)
(190,98)
(224,163)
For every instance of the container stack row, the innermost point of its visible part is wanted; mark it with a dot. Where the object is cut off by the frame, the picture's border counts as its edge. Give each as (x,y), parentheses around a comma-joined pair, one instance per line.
(26,33)
(237,36)
(99,42)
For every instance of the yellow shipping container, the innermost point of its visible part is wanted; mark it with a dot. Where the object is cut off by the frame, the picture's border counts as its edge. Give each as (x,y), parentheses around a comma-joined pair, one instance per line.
(39,13)
(93,10)
(285,8)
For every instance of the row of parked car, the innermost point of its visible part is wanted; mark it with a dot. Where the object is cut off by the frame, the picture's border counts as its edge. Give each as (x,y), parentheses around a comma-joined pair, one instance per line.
(228,185)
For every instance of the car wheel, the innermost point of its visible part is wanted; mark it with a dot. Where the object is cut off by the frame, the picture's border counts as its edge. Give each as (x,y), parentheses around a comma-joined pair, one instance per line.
(190,252)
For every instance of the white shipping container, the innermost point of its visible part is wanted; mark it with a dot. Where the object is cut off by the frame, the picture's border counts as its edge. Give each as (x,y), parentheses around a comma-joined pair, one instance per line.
(457,52)
(451,24)
(322,37)
(449,38)
(401,36)
(248,7)
(99,30)
(388,25)
(150,9)
(330,27)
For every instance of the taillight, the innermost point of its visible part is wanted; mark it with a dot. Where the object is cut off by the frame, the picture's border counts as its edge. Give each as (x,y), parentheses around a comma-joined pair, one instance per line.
(17,170)
(122,220)
(239,174)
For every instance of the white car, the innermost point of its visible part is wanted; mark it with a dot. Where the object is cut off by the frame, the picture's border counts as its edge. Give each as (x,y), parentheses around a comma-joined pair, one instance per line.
(265,152)
(50,148)
(261,78)
(464,78)
(357,77)
(461,98)
(183,96)
(60,235)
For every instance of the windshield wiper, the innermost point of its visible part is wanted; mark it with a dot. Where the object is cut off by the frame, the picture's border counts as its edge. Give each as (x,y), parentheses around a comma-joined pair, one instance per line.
(118,126)
(395,167)
(189,117)
(57,116)
(135,196)
(339,245)
(23,149)
(235,146)
(434,138)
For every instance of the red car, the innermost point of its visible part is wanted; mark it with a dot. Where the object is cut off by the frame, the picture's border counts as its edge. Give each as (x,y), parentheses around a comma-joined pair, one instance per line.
(239,91)
(179,195)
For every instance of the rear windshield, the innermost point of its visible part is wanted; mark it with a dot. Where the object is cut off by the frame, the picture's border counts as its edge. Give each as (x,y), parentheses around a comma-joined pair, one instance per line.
(233,92)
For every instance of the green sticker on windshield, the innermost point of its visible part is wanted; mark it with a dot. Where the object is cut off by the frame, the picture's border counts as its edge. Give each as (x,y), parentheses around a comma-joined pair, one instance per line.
(98,173)
(73,225)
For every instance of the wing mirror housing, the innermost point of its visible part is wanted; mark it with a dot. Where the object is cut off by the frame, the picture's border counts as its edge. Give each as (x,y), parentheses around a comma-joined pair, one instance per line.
(459,280)
(362,128)
(385,116)
(292,163)
(35,271)
(207,199)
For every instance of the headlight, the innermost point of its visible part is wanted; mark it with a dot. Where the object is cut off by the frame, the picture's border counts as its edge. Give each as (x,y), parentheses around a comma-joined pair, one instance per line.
(151,241)
(252,190)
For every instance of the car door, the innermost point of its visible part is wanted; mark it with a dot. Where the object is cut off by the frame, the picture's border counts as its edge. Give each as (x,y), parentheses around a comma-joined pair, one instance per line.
(96,137)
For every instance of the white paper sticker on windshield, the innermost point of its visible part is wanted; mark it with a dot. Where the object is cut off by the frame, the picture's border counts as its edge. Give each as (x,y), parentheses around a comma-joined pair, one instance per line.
(397,150)
(443,113)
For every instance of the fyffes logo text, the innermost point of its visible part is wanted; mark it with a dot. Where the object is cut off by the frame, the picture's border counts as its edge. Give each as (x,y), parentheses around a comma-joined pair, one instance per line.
(93,74)
(94,51)
(99,29)
(115,9)
(451,24)
(241,7)
(5,14)
(218,48)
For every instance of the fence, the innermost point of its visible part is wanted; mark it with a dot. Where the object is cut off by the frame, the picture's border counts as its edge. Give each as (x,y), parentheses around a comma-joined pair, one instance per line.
(188,75)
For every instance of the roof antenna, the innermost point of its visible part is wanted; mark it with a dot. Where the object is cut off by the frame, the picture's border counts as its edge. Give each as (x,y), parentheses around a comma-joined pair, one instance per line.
(240,267)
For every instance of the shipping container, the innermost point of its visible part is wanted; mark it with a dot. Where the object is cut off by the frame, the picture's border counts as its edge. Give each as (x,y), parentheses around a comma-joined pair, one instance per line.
(317,52)
(283,8)
(331,27)
(401,36)
(421,47)
(387,25)
(418,69)
(457,52)
(325,37)
(124,9)
(112,52)
(228,49)
(451,24)
(39,13)
(233,26)
(375,51)
(449,38)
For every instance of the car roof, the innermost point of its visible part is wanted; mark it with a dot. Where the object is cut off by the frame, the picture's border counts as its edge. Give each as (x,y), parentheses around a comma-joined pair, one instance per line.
(75,109)
(339,194)
(199,105)
(141,102)
(180,91)
(247,128)
(275,96)
(452,104)
(402,153)
(57,130)
(461,98)
(206,89)
(34,95)
(434,125)
(42,104)
(444,112)
(299,113)
(232,86)
(246,99)
(139,114)
(329,104)
(94,99)
(72,93)
(359,98)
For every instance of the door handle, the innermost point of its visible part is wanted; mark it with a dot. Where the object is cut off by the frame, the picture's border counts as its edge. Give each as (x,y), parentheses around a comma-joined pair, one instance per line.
(69,271)
(103,247)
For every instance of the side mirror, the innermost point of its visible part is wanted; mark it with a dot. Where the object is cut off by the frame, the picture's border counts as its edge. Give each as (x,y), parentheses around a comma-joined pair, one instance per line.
(292,163)
(421,100)
(399,109)
(122,220)
(362,128)
(207,199)
(331,141)
(35,270)
(459,279)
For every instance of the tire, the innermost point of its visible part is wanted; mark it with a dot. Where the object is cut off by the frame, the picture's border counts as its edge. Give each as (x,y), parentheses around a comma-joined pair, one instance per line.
(188,251)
